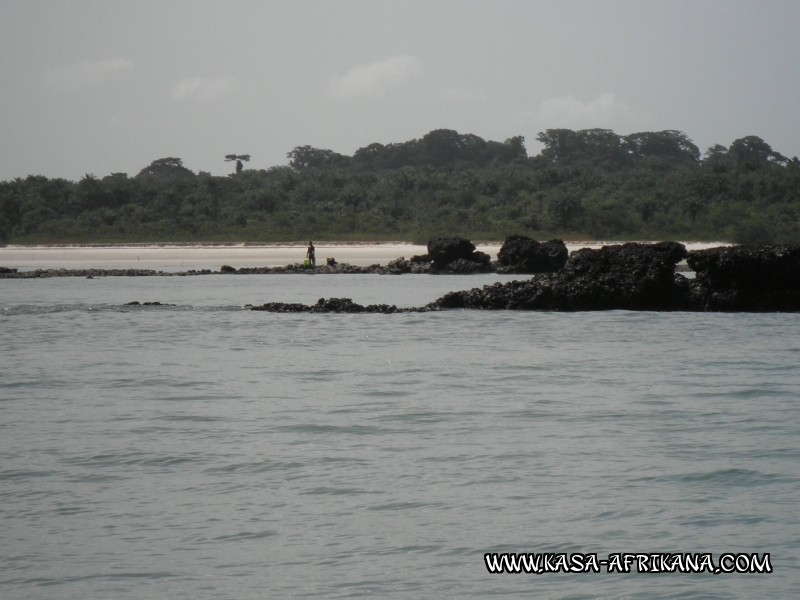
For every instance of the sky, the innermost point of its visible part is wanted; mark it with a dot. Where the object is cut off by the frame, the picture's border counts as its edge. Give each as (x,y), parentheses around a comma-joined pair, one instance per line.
(104,86)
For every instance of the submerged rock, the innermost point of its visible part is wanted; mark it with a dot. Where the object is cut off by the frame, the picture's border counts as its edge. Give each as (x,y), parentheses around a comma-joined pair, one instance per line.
(330,305)
(148,303)
(85,273)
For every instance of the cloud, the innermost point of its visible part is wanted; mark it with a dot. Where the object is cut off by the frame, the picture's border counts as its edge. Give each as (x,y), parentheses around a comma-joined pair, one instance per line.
(202,88)
(72,78)
(569,110)
(605,111)
(375,78)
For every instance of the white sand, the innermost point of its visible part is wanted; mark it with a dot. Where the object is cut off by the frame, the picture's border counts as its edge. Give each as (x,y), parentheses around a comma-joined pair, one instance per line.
(184,257)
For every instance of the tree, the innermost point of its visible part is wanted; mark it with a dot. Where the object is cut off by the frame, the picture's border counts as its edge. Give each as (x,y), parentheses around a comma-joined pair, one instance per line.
(308,157)
(516,147)
(90,193)
(370,157)
(589,181)
(238,158)
(168,168)
(559,144)
(564,210)
(717,159)
(752,152)
(9,209)
(668,144)
(595,147)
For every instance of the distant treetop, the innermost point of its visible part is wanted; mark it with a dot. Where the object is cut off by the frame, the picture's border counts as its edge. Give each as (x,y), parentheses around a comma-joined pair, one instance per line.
(438,148)
(165,168)
(238,158)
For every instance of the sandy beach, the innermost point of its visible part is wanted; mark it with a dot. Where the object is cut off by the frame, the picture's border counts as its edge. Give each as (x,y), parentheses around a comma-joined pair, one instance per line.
(174,258)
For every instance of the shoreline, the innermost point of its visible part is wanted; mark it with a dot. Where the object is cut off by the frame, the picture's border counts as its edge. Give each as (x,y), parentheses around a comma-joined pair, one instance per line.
(176,257)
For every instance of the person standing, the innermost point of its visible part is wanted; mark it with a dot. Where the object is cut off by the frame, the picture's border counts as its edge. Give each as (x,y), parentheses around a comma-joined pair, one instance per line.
(310,254)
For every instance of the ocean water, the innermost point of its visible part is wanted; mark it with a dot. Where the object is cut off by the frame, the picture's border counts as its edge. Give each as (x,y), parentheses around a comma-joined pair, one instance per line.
(203,450)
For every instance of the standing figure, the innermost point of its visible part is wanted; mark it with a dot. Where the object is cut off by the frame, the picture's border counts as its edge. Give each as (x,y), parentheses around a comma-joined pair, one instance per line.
(310,254)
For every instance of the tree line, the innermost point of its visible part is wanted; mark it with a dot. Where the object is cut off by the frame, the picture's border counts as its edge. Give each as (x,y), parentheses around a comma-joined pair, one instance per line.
(590,183)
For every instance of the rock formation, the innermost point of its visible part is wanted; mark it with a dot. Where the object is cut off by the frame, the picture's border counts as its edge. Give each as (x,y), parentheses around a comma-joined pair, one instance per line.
(521,254)
(457,255)
(630,276)
(745,278)
(331,305)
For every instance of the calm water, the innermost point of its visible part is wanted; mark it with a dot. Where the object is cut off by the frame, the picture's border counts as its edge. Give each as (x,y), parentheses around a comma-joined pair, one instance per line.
(206,451)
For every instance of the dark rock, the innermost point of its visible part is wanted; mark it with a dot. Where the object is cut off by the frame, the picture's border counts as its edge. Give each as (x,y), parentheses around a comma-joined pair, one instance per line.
(330,261)
(398,266)
(7,270)
(520,254)
(148,303)
(282,307)
(745,278)
(337,305)
(630,276)
(450,255)
(446,250)
(227,269)
(330,305)
(37,273)
(625,277)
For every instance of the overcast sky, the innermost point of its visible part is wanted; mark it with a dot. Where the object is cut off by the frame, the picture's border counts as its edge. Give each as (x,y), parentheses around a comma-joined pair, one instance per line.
(102,86)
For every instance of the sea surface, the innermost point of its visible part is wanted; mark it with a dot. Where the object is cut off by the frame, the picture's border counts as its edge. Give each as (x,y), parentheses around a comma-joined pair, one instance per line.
(203,450)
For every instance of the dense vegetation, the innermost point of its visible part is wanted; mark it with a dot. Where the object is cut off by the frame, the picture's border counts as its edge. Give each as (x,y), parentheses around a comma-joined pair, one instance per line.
(584,184)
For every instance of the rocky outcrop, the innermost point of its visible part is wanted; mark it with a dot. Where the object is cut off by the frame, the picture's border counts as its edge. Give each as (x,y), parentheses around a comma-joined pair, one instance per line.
(745,278)
(400,266)
(443,251)
(93,273)
(458,256)
(148,303)
(327,269)
(421,259)
(331,305)
(521,254)
(642,277)
(629,276)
